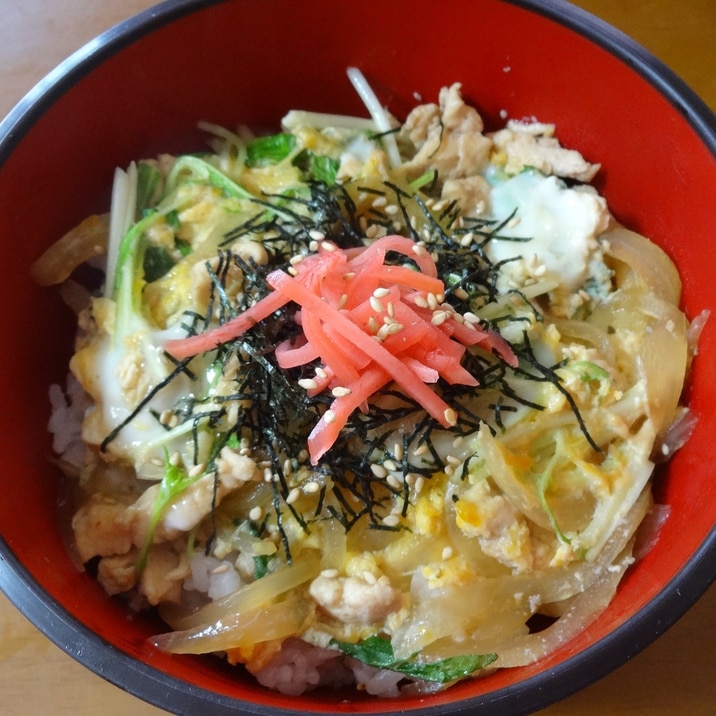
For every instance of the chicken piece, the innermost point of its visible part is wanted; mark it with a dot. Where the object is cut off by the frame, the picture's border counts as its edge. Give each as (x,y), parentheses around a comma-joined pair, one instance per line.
(356,600)
(102,527)
(118,573)
(164,573)
(447,137)
(196,502)
(472,194)
(533,144)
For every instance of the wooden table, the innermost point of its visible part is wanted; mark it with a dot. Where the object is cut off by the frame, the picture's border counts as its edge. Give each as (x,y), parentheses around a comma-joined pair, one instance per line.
(677,674)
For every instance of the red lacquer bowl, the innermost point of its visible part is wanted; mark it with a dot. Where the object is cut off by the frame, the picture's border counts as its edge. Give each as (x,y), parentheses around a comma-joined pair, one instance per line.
(142,87)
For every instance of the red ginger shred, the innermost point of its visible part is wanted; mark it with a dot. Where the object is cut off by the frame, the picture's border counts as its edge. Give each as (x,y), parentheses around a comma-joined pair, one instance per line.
(368,323)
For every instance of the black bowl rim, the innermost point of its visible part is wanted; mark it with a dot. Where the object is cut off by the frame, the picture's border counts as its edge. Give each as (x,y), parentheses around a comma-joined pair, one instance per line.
(539,691)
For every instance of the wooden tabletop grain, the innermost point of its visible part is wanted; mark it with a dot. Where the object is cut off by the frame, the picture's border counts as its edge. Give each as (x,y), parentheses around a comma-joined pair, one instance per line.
(675,675)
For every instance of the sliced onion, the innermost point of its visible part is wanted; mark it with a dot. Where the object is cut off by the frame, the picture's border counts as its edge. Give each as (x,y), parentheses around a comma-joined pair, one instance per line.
(82,243)
(647,260)
(663,356)
(247,598)
(246,628)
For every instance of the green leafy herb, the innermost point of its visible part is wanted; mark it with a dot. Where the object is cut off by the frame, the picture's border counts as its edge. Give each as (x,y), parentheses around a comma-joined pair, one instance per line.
(265,151)
(157,262)
(590,372)
(172,219)
(317,167)
(148,178)
(198,169)
(174,482)
(378,652)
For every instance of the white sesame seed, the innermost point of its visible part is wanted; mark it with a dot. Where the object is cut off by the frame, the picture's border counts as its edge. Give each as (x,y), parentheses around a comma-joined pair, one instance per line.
(452,460)
(175,459)
(379,202)
(390,465)
(268,474)
(293,496)
(390,308)
(287,467)
(221,569)
(447,553)
(308,383)
(420,450)
(419,484)
(329,573)
(398,451)
(514,221)
(378,470)
(376,305)
(439,317)
(295,260)
(292,271)
(459,440)
(381,292)
(418,249)
(342,301)
(432,301)
(450,416)
(328,246)
(316,235)
(466,240)
(421,302)
(310,488)
(320,373)
(196,470)
(392,209)
(340,392)
(471,317)
(369,577)
(329,417)
(391,520)
(449,470)
(372,325)
(394,482)
(302,455)
(256,514)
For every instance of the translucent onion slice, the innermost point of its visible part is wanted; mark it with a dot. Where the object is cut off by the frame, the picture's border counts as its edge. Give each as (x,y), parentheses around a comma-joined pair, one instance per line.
(649,261)
(249,597)
(482,612)
(588,334)
(272,621)
(82,243)
(586,607)
(664,357)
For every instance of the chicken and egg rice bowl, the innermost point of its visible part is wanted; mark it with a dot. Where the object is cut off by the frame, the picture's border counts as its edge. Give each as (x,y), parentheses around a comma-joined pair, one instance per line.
(361,402)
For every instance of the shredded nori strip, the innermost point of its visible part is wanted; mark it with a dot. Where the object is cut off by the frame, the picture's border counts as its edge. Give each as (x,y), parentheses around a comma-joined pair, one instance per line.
(275,415)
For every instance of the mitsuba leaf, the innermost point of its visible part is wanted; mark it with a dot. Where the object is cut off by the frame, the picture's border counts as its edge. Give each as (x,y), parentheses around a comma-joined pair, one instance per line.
(378,653)
(157,262)
(265,151)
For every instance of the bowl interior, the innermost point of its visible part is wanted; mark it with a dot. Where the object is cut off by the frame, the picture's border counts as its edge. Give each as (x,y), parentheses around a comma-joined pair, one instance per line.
(142,91)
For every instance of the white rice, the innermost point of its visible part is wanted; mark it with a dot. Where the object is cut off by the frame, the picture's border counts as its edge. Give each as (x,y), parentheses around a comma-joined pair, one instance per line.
(65,424)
